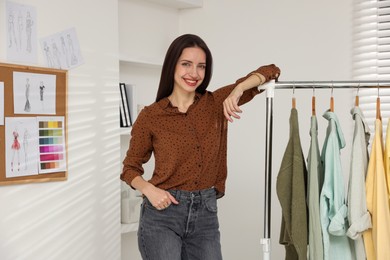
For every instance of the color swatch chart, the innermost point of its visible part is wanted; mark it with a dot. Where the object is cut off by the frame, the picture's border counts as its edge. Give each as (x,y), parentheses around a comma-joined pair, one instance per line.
(51,144)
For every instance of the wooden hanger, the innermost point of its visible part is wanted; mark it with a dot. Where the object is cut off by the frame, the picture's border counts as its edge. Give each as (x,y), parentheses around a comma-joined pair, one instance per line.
(293,101)
(313,103)
(332,101)
(378,106)
(357,97)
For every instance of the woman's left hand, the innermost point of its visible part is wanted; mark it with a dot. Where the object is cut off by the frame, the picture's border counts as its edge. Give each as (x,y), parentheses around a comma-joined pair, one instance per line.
(230,105)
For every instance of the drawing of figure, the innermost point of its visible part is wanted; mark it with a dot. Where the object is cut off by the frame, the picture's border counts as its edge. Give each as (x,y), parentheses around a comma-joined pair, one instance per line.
(20,29)
(41,88)
(48,55)
(26,136)
(29,24)
(64,51)
(15,149)
(27,106)
(73,59)
(11,30)
(56,55)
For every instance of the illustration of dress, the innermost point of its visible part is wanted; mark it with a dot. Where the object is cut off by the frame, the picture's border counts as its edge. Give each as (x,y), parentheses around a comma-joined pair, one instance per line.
(27,106)
(15,147)
(15,144)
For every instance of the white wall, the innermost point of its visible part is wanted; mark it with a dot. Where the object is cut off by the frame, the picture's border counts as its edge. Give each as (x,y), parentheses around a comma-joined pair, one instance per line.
(78,218)
(308,40)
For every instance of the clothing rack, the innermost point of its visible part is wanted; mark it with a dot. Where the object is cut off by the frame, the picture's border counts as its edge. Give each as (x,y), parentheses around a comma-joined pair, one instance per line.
(270,88)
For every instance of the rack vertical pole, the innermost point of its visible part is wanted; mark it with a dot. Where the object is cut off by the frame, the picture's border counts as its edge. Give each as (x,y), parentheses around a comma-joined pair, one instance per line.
(266,240)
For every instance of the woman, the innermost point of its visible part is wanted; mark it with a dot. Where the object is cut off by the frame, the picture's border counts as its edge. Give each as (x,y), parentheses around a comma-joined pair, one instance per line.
(186,130)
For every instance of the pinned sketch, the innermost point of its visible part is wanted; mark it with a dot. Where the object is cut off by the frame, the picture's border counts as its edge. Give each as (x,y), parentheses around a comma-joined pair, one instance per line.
(62,50)
(52,149)
(21,32)
(34,93)
(21,147)
(2,103)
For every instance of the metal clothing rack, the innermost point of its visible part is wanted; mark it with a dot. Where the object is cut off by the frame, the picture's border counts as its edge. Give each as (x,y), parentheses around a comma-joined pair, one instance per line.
(270,88)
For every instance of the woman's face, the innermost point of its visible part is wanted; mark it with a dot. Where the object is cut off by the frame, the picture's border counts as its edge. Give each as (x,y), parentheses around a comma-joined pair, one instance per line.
(190,69)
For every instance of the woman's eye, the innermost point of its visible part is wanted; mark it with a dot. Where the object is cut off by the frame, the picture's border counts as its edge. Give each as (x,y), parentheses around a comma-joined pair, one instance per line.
(185,64)
(202,66)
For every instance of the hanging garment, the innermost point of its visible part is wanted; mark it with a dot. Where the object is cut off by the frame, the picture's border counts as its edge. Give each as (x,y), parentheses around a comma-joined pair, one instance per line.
(386,159)
(358,216)
(291,191)
(376,239)
(333,210)
(315,180)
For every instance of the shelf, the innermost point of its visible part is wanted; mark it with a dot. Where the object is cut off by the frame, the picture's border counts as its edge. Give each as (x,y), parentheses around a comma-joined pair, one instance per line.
(139,62)
(125,130)
(179,4)
(127,228)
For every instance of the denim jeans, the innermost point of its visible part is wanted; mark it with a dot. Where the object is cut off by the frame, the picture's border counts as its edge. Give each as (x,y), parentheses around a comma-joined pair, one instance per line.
(187,231)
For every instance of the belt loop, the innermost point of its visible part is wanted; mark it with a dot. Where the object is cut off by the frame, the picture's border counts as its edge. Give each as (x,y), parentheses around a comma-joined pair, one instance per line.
(177,194)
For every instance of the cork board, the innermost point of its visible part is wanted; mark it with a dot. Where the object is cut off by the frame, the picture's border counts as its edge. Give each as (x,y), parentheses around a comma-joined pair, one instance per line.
(59,98)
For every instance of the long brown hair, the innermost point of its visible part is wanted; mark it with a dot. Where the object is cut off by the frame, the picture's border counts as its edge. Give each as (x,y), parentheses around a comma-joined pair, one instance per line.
(165,87)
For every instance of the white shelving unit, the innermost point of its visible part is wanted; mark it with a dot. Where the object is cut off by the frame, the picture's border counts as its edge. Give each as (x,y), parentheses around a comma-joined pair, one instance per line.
(132,227)
(154,23)
(179,4)
(123,59)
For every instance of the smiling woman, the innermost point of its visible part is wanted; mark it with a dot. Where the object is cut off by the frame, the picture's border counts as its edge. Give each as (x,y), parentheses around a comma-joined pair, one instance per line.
(186,130)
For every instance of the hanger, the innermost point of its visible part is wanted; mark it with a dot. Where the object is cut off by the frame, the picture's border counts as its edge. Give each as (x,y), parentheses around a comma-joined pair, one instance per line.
(293,101)
(357,97)
(313,102)
(378,106)
(332,101)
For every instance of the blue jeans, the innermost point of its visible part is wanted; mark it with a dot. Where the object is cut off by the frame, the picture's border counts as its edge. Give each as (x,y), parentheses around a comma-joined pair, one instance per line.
(187,231)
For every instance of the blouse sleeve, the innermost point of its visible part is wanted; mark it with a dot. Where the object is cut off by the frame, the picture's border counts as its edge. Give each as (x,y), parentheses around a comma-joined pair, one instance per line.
(140,148)
(222,93)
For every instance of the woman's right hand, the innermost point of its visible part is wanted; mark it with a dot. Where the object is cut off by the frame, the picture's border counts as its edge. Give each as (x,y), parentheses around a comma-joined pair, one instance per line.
(159,198)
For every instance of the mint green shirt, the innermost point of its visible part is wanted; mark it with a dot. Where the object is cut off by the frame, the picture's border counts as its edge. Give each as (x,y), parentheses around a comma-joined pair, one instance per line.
(332,201)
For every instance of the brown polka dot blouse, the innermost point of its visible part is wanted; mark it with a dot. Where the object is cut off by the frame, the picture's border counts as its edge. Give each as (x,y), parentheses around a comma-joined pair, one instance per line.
(190,149)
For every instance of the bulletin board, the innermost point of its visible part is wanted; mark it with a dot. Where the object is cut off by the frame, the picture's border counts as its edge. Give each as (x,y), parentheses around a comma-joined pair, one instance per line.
(59,110)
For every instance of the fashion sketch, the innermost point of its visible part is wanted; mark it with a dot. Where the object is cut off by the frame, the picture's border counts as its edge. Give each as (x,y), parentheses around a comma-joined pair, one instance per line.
(62,49)
(15,150)
(41,91)
(21,32)
(56,56)
(27,106)
(29,24)
(73,57)
(11,30)
(49,57)
(20,29)
(26,136)
(21,136)
(34,93)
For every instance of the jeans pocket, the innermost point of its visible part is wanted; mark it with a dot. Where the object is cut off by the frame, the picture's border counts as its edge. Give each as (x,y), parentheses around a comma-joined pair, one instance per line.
(211,204)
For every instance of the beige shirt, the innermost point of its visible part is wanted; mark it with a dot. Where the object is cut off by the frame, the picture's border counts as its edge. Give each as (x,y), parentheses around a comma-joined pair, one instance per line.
(376,239)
